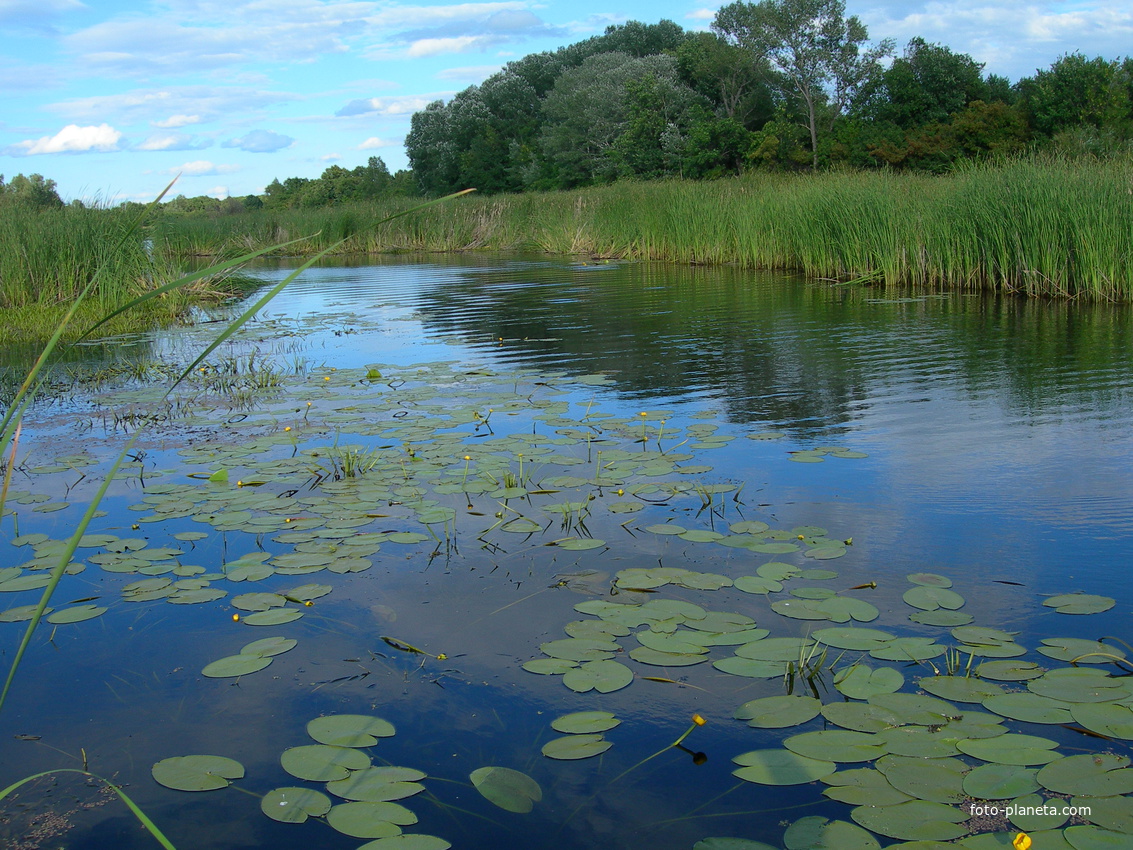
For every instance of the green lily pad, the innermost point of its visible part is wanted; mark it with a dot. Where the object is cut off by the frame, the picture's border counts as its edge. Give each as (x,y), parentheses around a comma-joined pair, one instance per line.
(235,665)
(1028,707)
(349,730)
(602,676)
(816,833)
(929,580)
(1079,603)
(1032,813)
(1116,721)
(775,649)
(940,780)
(852,638)
(941,617)
(862,682)
(273,617)
(585,722)
(750,667)
(862,787)
(916,820)
(1080,685)
(1080,651)
(916,709)
(1026,750)
(1112,813)
(576,747)
(778,712)
(76,614)
(580,649)
(1087,837)
(509,789)
(1009,671)
(197,773)
(646,655)
(322,763)
(908,649)
(1000,781)
(378,784)
(580,544)
(294,805)
(780,767)
(918,741)
(550,666)
(408,841)
(959,688)
(731,844)
(930,598)
(837,745)
(370,820)
(861,717)
(268,647)
(1089,775)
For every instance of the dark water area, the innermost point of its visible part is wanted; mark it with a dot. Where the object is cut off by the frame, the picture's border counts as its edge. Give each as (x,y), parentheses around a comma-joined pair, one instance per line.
(987,440)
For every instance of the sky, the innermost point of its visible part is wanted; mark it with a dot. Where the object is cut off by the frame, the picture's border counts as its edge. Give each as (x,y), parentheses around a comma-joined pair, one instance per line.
(113,99)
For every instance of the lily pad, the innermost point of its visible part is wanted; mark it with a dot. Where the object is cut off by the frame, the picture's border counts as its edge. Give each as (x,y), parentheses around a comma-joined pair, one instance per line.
(930,598)
(77,614)
(778,712)
(862,787)
(1026,750)
(349,730)
(1116,721)
(585,722)
(940,780)
(959,688)
(916,820)
(322,763)
(1079,603)
(862,682)
(780,767)
(294,805)
(576,747)
(1000,781)
(408,841)
(1028,707)
(370,820)
(235,665)
(1089,775)
(197,773)
(1080,651)
(509,789)
(837,745)
(602,676)
(816,833)
(378,784)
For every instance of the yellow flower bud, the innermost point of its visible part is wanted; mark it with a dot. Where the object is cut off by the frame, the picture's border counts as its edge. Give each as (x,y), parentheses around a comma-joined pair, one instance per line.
(441,657)
(236,618)
(1022,841)
(698,720)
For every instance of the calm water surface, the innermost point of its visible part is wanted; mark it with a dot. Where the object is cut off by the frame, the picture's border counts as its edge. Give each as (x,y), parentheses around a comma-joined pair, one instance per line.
(999,443)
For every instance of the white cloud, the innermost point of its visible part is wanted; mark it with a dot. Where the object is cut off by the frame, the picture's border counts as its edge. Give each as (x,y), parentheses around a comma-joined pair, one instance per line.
(437,46)
(330,157)
(219,192)
(402,105)
(701,15)
(200,167)
(196,101)
(261,141)
(468,73)
(374,143)
(174,121)
(72,139)
(171,142)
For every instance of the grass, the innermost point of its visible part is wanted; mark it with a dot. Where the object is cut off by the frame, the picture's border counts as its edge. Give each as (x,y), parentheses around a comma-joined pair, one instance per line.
(1040,227)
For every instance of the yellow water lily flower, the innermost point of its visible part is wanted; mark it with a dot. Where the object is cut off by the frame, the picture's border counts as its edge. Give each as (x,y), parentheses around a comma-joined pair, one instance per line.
(1022,841)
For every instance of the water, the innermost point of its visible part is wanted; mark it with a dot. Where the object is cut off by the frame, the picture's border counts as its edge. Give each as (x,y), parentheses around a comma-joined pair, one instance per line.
(998,435)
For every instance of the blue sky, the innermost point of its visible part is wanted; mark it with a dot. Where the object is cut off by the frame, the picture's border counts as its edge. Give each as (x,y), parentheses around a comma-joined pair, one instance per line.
(111,99)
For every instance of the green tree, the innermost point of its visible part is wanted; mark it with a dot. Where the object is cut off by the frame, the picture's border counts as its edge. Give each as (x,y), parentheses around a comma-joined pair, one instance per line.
(817,54)
(1075,92)
(928,83)
(33,191)
(725,74)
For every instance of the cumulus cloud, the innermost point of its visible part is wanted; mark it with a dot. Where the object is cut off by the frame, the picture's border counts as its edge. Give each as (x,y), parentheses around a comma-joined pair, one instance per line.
(71,139)
(174,121)
(171,142)
(401,105)
(330,157)
(261,141)
(200,167)
(458,29)
(439,46)
(374,142)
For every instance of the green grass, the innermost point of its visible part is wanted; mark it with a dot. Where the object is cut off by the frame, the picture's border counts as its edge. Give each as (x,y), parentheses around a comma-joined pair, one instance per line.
(1036,226)
(47,256)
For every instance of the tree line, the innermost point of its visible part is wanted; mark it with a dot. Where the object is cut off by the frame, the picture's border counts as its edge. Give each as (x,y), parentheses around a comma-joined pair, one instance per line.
(779,84)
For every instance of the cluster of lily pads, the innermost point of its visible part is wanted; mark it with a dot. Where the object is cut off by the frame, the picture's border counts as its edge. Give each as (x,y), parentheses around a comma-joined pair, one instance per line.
(434,466)
(339,760)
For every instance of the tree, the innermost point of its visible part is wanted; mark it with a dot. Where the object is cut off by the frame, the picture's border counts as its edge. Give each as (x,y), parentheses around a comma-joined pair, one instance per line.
(1077,92)
(33,191)
(812,47)
(726,75)
(927,84)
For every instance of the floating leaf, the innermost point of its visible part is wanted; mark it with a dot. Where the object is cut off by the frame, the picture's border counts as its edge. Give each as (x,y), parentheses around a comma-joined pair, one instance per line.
(1000,781)
(269,646)
(580,649)
(930,598)
(1024,750)
(549,666)
(1085,837)
(778,712)
(959,688)
(1009,671)
(580,544)
(76,614)
(780,767)
(583,722)
(408,841)
(509,789)
(322,763)
(576,747)
(378,784)
(751,667)
(929,580)
(235,665)
(837,745)
(1112,813)
(860,717)
(1080,651)
(853,638)
(1079,603)
(1030,708)
(916,820)
(370,820)
(862,682)
(1090,775)
(816,833)
(602,676)
(940,780)
(862,787)
(197,773)
(349,730)
(1116,721)
(294,805)
(274,617)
